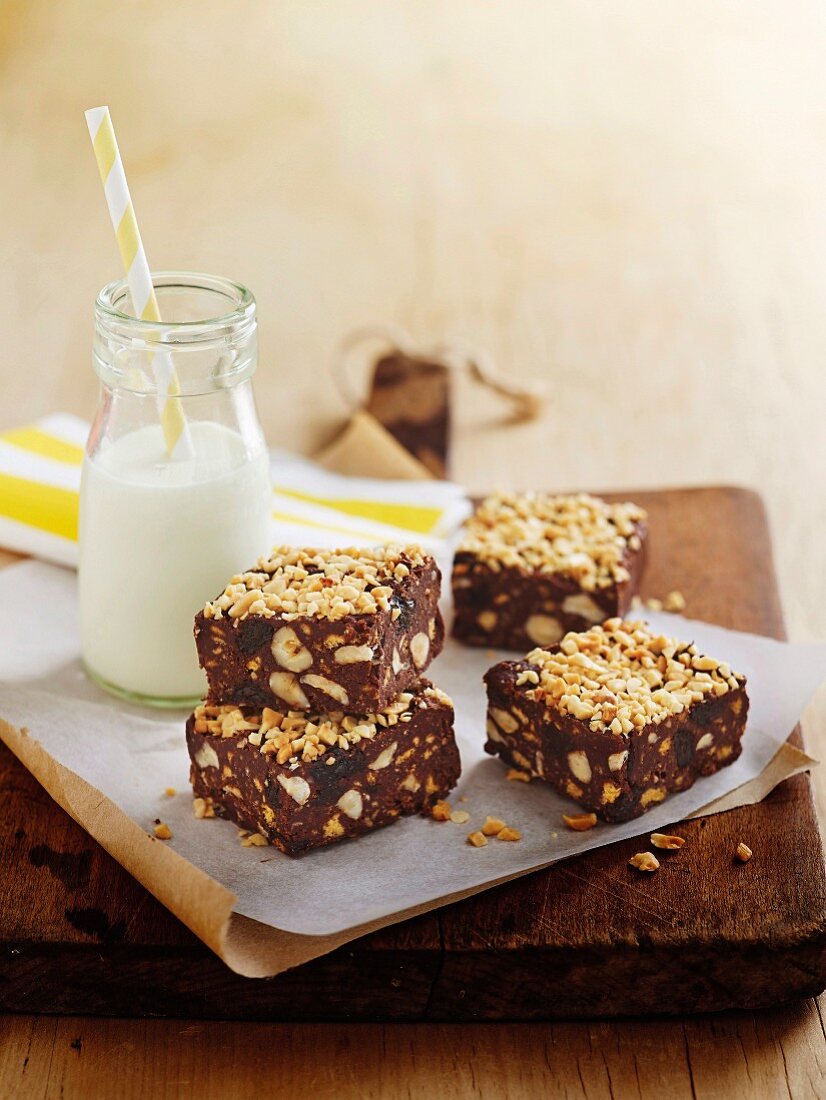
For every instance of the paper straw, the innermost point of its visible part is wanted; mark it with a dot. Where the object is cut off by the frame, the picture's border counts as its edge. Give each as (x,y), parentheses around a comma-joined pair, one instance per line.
(138,275)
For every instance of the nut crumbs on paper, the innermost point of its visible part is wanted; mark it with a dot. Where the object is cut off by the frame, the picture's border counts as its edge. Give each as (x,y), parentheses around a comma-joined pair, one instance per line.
(162,831)
(477,839)
(580,823)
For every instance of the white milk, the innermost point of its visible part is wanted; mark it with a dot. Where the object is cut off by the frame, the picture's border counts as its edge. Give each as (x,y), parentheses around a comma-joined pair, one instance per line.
(157,540)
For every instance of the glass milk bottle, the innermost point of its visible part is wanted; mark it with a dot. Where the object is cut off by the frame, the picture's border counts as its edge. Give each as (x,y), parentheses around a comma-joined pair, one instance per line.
(161,535)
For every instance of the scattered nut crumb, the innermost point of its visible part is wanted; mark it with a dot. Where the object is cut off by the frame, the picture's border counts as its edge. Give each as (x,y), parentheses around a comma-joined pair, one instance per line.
(554,835)
(492,826)
(666,840)
(644,861)
(460,817)
(743,852)
(477,839)
(441,811)
(653,604)
(636,602)
(254,840)
(521,777)
(170,792)
(508,834)
(580,823)
(674,601)
(162,831)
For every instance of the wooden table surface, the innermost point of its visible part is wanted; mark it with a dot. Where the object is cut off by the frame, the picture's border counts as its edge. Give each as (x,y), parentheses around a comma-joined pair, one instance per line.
(623,200)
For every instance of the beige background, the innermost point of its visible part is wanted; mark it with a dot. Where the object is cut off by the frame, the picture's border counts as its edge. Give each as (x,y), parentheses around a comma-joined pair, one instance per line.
(624,199)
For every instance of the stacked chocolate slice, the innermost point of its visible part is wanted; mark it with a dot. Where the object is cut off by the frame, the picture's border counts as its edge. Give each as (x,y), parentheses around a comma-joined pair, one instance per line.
(318,725)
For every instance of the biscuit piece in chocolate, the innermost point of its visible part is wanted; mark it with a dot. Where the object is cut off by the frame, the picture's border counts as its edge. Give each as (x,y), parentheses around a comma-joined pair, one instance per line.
(531,567)
(304,781)
(323,629)
(616,717)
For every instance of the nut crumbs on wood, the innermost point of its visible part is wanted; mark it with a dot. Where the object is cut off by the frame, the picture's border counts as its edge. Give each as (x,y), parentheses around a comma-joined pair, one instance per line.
(666,840)
(743,853)
(644,861)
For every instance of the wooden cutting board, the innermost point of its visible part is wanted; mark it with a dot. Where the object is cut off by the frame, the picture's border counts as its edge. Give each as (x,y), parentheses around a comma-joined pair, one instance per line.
(589,937)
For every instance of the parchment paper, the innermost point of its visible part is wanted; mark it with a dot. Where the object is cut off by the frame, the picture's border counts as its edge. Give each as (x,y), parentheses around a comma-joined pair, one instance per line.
(108,765)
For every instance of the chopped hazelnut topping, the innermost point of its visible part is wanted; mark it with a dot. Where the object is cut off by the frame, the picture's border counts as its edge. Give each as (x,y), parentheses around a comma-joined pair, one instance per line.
(743,852)
(518,776)
(493,826)
(644,861)
(621,676)
(477,839)
(580,823)
(298,734)
(581,536)
(162,831)
(460,817)
(508,834)
(441,811)
(674,601)
(666,840)
(323,584)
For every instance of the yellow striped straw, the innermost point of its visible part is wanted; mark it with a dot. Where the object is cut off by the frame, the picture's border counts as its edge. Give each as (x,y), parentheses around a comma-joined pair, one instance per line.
(136,267)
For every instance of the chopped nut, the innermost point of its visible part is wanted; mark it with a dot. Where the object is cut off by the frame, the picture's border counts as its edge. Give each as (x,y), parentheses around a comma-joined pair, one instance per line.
(580,823)
(353,654)
(674,601)
(493,826)
(543,629)
(654,604)
(419,649)
(487,620)
(580,536)
(441,811)
(504,719)
(289,651)
(351,803)
(579,765)
(667,840)
(621,676)
(162,831)
(460,817)
(254,840)
(477,839)
(644,861)
(743,852)
(518,776)
(321,683)
(295,582)
(203,807)
(508,834)
(170,792)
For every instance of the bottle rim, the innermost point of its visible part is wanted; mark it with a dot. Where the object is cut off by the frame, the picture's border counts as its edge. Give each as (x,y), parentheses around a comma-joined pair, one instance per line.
(111,310)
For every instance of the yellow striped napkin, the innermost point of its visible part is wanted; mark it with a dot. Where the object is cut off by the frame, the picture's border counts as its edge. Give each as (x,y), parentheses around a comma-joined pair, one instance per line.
(40,480)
